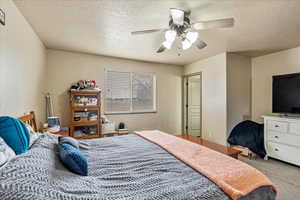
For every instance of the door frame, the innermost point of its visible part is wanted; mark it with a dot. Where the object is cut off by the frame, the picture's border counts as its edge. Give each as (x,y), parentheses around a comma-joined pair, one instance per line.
(185,100)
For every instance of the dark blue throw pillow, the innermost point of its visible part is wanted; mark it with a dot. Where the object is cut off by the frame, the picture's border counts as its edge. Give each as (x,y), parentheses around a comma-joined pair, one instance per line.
(73,159)
(68,140)
(15,134)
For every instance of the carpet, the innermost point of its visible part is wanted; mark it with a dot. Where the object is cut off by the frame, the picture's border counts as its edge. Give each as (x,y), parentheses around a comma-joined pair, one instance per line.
(286,177)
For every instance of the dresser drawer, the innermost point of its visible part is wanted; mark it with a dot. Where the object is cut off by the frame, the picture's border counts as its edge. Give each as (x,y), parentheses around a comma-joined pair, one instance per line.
(284,138)
(295,128)
(277,126)
(274,136)
(284,152)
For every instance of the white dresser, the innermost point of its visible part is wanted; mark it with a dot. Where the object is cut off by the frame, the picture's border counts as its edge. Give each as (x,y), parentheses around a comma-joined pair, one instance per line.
(282,138)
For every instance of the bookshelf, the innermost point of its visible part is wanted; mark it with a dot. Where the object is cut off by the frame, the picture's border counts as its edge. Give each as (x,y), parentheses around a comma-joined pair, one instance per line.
(85,120)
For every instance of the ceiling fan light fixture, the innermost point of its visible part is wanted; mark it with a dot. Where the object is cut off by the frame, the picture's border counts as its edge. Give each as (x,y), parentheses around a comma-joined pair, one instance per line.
(186,44)
(167,44)
(192,36)
(170,35)
(182,28)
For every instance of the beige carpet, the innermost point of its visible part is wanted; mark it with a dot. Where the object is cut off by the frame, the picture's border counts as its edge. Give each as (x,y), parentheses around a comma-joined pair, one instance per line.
(285,177)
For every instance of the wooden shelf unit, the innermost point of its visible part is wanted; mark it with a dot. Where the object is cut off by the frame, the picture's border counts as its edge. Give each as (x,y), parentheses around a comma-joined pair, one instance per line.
(85,124)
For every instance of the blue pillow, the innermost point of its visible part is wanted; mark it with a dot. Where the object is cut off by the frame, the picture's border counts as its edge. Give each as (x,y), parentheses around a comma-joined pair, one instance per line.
(15,134)
(73,159)
(68,140)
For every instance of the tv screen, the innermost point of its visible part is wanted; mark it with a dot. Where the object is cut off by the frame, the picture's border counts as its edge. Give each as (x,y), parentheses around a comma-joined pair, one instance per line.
(286,93)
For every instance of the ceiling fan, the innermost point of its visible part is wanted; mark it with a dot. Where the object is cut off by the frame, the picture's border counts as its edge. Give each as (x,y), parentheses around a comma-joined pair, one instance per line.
(184,30)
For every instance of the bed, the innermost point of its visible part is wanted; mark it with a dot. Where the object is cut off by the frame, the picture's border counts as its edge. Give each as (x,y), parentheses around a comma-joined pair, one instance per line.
(120,168)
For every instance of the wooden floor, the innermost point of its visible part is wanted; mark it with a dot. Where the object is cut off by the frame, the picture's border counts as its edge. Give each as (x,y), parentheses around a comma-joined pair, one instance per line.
(285,177)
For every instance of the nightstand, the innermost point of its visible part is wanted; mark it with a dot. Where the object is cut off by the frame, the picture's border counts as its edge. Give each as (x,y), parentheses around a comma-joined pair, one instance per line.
(64,131)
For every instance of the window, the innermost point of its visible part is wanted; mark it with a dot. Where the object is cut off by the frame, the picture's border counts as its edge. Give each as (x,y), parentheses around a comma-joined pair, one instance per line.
(129,92)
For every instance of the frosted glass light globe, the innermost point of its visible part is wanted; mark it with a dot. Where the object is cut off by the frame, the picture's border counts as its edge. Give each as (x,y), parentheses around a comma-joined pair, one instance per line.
(192,36)
(186,44)
(170,35)
(168,44)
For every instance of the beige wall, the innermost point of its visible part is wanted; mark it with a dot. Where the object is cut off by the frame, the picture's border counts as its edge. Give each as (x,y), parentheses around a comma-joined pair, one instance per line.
(238,89)
(263,68)
(22,65)
(65,68)
(214,122)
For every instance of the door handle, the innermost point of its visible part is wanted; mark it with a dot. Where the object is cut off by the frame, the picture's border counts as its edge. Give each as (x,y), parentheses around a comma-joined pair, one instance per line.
(276,149)
(276,137)
(276,126)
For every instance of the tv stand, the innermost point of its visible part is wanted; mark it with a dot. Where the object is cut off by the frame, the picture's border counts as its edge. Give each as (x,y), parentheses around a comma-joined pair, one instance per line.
(282,138)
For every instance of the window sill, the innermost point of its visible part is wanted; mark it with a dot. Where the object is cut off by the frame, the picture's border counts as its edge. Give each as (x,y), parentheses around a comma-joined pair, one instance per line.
(128,113)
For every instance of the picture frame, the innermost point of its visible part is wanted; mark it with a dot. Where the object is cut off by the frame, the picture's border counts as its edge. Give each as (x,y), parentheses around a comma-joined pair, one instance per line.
(2,17)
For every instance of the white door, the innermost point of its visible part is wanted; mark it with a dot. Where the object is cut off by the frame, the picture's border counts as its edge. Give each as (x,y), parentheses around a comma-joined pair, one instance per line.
(194,105)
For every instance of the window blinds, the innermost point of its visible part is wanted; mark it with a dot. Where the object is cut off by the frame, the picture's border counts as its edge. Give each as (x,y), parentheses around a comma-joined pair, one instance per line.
(142,92)
(128,92)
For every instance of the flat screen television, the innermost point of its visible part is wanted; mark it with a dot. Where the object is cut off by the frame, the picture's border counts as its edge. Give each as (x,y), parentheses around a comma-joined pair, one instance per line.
(286,94)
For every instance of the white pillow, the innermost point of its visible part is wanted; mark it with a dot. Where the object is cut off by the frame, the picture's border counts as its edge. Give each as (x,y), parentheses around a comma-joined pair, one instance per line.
(33,135)
(6,153)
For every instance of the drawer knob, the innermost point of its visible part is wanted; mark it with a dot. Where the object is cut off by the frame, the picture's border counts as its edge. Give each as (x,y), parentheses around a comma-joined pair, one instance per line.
(276,126)
(276,137)
(276,149)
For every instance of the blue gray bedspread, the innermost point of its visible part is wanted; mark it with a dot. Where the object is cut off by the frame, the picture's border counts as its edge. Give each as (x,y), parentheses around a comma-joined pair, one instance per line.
(120,168)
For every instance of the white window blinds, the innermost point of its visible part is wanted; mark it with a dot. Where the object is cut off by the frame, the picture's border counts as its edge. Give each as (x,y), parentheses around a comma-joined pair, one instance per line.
(129,92)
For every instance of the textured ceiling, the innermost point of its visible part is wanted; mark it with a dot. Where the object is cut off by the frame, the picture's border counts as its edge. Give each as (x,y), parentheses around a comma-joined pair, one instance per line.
(103,26)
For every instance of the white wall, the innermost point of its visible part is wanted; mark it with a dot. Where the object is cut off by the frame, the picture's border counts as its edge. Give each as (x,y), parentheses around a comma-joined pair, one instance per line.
(65,68)
(238,89)
(214,106)
(22,65)
(263,68)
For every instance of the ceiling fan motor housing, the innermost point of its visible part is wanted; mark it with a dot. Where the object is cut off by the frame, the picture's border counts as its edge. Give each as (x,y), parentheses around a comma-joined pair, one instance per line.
(180,29)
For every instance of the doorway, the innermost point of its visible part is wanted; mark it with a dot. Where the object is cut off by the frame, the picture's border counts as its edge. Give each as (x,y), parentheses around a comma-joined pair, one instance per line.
(192,99)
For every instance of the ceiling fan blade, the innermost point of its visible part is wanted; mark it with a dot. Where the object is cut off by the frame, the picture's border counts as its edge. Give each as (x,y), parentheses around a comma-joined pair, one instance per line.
(147,31)
(219,23)
(177,16)
(201,44)
(161,49)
